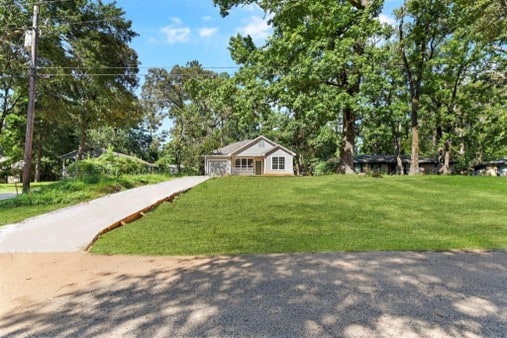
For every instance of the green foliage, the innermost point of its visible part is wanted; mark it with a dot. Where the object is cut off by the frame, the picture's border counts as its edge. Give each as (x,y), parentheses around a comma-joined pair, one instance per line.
(108,164)
(245,215)
(328,167)
(91,76)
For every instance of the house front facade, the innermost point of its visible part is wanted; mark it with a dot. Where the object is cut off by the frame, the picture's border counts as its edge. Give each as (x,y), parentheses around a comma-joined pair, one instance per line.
(259,156)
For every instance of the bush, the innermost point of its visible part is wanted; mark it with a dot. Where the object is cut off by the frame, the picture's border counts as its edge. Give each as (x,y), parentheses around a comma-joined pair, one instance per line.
(328,167)
(107,164)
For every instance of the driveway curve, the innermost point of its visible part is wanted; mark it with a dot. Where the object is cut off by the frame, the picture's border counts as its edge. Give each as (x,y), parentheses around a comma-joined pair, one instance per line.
(72,229)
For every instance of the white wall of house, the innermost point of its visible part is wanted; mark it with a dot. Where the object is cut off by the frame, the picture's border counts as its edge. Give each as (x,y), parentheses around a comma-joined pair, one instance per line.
(272,164)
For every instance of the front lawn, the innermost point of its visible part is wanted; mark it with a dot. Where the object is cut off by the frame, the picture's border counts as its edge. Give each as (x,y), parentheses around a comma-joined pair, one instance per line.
(242,215)
(46,197)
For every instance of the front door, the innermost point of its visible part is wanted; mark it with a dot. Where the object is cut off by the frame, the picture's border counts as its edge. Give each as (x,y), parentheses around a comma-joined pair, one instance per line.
(258,167)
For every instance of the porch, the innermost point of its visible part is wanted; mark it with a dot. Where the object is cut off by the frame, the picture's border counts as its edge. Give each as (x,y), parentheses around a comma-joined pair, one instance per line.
(247,166)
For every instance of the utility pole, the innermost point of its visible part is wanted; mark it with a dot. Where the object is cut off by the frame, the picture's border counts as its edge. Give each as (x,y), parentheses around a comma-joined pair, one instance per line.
(31,100)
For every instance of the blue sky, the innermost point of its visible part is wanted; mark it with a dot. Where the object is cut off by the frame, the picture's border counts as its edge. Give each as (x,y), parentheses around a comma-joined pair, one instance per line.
(174,31)
(177,31)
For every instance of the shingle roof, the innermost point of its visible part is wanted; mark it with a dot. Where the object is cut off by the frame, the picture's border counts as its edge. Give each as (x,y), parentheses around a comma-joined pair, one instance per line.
(228,149)
(389,159)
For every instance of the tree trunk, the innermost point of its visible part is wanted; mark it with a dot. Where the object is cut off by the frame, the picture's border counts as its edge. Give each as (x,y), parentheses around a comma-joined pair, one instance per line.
(414,155)
(446,169)
(397,147)
(347,144)
(38,161)
(83,135)
(82,145)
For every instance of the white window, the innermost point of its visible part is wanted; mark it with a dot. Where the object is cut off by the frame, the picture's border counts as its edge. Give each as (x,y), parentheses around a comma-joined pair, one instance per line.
(243,163)
(278,163)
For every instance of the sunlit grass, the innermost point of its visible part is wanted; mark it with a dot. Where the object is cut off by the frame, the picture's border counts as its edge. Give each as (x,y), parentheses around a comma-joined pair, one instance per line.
(240,215)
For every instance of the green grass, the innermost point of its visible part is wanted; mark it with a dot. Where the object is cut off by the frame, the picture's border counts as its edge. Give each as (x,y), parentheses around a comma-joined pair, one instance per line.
(11,187)
(46,197)
(243,215)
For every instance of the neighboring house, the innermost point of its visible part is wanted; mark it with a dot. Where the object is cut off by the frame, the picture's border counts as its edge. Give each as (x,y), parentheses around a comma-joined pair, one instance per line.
(387,164)
(259,156)
(11,171)
(97,152)
(492,168)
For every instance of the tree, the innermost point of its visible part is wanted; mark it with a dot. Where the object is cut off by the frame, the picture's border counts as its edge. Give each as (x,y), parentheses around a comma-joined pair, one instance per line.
(13,58)
(422,27)
(385,124)
(87,70)
(312,64)
(102,73)
(200,104)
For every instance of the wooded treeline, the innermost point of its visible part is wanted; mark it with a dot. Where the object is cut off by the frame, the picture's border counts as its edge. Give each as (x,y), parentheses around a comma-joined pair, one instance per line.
(332,81)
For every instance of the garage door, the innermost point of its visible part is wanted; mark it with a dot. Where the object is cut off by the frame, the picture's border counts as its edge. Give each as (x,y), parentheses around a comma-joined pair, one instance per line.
(217,168)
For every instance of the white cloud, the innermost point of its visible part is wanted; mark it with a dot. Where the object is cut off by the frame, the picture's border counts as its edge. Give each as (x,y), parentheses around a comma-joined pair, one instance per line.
(176,21)
(176,33)
(256,27)
(251,8)
(206,18)
(386,19)
(153,41)
(206,32)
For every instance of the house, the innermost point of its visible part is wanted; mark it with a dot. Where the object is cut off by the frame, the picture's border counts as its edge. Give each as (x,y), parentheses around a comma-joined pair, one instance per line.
(388,163)
(491,168)
(259,156)
(97,152)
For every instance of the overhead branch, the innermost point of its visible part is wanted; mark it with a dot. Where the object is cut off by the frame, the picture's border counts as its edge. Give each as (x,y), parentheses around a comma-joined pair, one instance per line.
(360,4)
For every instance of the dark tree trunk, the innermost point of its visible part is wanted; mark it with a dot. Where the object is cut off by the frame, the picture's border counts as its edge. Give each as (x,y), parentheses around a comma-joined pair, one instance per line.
(446,168)
(397,148)
(347,144)
(414,155)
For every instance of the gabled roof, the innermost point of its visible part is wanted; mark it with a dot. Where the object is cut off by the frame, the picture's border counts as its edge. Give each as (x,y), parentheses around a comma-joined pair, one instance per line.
(237,147)
(252,142)
(278,146)
(231,148)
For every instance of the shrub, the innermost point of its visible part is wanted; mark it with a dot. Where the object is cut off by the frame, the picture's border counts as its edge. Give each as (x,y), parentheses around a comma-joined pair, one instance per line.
(107,164)
(328,167)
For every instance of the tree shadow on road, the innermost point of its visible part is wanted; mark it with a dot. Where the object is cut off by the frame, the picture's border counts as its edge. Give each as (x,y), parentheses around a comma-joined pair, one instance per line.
(347,294)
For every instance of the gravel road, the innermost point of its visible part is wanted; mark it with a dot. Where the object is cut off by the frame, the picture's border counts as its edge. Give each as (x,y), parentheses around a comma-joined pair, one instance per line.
(376,294)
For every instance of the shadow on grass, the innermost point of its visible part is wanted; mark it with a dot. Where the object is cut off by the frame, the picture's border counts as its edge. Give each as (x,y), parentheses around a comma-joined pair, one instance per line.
(345,294)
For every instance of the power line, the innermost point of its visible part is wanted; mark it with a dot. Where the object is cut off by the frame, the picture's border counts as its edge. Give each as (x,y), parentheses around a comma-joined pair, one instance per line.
(50,75)
(40,2)
(133,67)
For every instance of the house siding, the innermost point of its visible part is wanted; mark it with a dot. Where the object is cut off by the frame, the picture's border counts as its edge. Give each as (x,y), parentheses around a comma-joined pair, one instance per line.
(289,168)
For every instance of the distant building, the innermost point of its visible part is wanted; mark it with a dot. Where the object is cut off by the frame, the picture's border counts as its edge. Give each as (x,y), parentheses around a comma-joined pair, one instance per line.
(388,164)
(97,152)
(491,168)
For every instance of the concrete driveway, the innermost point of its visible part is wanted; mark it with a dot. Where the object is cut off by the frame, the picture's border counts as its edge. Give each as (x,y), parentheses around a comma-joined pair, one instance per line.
(74,228)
